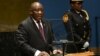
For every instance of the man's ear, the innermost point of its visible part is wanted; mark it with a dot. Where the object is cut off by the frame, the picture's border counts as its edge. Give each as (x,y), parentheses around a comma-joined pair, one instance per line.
(30,12)
(71,4)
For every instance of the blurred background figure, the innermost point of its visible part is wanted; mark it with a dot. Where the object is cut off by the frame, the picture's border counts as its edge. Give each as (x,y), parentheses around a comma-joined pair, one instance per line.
(76,22)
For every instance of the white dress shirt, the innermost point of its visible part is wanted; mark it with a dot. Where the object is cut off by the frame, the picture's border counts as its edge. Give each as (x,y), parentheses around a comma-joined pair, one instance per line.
(37,51)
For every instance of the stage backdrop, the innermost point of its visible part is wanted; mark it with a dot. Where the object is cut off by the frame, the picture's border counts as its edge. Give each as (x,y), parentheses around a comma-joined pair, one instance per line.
(54,10)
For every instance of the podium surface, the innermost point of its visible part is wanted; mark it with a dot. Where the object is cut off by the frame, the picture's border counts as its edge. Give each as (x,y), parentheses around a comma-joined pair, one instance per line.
(88,53)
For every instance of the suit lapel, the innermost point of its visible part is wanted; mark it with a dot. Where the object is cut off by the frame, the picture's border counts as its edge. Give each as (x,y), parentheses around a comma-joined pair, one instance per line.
(37,30)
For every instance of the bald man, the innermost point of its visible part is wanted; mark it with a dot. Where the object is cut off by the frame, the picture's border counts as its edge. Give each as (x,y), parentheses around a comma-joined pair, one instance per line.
(34,34)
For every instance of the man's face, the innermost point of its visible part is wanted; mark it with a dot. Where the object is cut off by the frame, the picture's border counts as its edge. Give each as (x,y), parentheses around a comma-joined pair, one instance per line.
(77,5)
(37,11)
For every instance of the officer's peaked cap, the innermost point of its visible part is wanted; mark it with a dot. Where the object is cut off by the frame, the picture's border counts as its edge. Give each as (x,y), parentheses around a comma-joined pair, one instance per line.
(76,0)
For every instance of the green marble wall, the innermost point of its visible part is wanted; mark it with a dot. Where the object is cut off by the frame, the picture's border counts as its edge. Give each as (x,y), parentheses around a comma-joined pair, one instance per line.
(12,12)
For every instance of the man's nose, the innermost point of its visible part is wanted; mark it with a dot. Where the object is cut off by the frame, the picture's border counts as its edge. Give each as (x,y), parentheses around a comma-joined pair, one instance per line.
(39,12)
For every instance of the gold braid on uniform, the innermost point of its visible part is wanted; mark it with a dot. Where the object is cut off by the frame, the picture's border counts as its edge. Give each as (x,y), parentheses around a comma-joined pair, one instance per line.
(87,16)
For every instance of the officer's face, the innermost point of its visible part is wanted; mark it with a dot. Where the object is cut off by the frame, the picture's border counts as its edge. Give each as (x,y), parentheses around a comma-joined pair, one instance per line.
(77,5)
(37,11)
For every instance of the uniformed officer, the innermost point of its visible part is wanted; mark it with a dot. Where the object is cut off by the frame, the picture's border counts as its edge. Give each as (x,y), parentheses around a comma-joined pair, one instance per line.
(76,22)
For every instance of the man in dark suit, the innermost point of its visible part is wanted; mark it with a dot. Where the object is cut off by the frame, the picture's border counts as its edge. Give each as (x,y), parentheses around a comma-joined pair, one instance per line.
(34,34)
(76,21)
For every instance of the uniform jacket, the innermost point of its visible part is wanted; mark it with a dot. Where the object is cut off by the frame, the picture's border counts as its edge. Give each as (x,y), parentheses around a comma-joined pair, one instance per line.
(77,27)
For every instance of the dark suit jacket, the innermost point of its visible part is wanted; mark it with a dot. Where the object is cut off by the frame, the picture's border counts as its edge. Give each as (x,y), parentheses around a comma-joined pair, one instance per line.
(28,37)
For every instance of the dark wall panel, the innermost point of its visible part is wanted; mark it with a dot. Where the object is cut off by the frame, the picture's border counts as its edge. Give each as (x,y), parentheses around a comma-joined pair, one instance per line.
(7,44)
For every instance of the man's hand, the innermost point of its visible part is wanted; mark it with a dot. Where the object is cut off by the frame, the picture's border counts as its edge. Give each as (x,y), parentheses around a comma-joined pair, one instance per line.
(58,51)
(43,53)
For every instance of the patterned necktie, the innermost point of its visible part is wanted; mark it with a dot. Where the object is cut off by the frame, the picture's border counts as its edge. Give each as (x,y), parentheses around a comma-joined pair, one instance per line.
(41,31)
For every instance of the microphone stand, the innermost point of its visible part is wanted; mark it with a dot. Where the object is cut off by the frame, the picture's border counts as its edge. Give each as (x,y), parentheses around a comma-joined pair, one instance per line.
(63,43)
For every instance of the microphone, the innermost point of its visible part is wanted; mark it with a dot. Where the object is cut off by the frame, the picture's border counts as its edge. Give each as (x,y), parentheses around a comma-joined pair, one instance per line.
(63,43)
(66,41)
(60,42)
